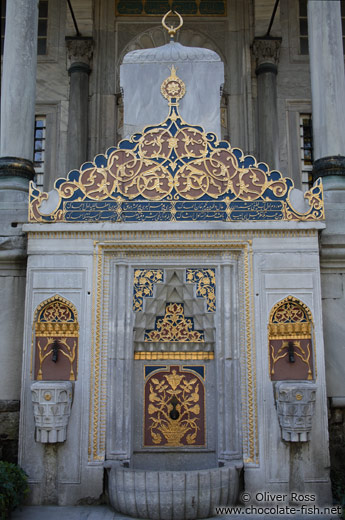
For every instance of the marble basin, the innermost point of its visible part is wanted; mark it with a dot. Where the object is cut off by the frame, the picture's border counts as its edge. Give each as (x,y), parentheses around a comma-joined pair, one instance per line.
(171,495)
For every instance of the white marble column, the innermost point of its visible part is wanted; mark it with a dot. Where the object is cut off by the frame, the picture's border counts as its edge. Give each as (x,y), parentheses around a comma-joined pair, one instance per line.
(16,169)
(266,52)
(239,84)
(328,91)
(79,54)
(18,95)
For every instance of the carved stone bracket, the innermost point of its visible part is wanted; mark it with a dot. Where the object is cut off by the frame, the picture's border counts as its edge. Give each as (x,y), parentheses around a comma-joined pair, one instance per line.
(295,402)
(266,52)
(79,51)
(52,402)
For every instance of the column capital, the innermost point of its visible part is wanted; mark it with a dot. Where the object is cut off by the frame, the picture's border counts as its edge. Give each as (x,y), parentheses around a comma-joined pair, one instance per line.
(333,165)
(266,52)
(79,53)
(17,167)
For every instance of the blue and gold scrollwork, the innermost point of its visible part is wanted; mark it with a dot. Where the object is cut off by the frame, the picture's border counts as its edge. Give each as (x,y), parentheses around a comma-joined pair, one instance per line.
(143,285)
(205,280)
(174,172)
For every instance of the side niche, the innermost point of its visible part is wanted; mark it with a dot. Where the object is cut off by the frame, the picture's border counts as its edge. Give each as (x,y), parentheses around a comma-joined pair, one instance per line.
(56,340)
(290,333)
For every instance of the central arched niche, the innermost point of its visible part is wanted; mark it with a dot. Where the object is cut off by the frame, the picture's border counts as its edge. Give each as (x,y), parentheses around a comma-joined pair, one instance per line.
(175,408)
(168,468)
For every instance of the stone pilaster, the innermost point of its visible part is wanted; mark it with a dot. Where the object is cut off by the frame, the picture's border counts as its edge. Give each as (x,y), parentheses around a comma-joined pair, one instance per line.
(120,359)
(266,52)
(79,55)
(18,97)
(328,91)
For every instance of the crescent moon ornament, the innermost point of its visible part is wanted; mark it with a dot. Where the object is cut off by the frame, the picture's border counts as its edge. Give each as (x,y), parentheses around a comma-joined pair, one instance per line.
(171,29)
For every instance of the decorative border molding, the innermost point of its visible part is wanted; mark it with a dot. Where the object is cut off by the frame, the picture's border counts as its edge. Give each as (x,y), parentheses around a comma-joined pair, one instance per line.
(172,355)
(141,236)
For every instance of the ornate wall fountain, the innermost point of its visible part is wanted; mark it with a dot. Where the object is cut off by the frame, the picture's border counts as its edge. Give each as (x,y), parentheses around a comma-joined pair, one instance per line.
(175,250)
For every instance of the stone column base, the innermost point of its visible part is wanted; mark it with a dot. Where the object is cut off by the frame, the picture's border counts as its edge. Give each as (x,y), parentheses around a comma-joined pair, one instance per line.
(9,430)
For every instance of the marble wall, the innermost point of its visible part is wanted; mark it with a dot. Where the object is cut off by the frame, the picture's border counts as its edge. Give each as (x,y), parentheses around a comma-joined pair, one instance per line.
(93,268)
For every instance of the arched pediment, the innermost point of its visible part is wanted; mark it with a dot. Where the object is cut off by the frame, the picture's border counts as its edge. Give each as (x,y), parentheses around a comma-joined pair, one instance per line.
(173,171)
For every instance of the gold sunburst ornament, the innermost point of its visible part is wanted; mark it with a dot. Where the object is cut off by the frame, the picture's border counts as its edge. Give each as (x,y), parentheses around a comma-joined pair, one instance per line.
(173,87)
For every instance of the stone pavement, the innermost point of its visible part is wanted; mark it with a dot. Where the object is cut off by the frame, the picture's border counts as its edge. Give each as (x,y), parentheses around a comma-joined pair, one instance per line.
(106,513)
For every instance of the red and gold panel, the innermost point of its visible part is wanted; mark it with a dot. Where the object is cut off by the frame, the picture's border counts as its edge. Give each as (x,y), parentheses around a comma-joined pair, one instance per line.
(56,341)
(65,366)
(174,408)
(290,341)
(291,359)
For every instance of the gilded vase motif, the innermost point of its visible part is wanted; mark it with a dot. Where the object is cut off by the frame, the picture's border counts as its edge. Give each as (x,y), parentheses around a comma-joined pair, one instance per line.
(174,409)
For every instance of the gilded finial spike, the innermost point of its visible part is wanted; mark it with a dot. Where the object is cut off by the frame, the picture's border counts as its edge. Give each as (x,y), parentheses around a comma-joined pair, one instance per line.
(171,29)
(173,72)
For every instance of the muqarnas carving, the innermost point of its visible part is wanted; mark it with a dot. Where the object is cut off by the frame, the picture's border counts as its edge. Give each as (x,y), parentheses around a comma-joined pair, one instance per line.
(174,412)
(56,340)
(290,341)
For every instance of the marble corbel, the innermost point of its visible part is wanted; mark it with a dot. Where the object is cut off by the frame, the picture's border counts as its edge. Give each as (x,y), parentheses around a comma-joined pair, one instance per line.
(52,401)
(295,402)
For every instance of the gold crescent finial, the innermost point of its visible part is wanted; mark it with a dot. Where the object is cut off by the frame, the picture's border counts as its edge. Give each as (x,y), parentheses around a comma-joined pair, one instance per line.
(172,30)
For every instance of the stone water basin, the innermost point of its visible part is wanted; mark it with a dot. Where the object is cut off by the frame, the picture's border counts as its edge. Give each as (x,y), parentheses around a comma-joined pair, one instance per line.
(171,495)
